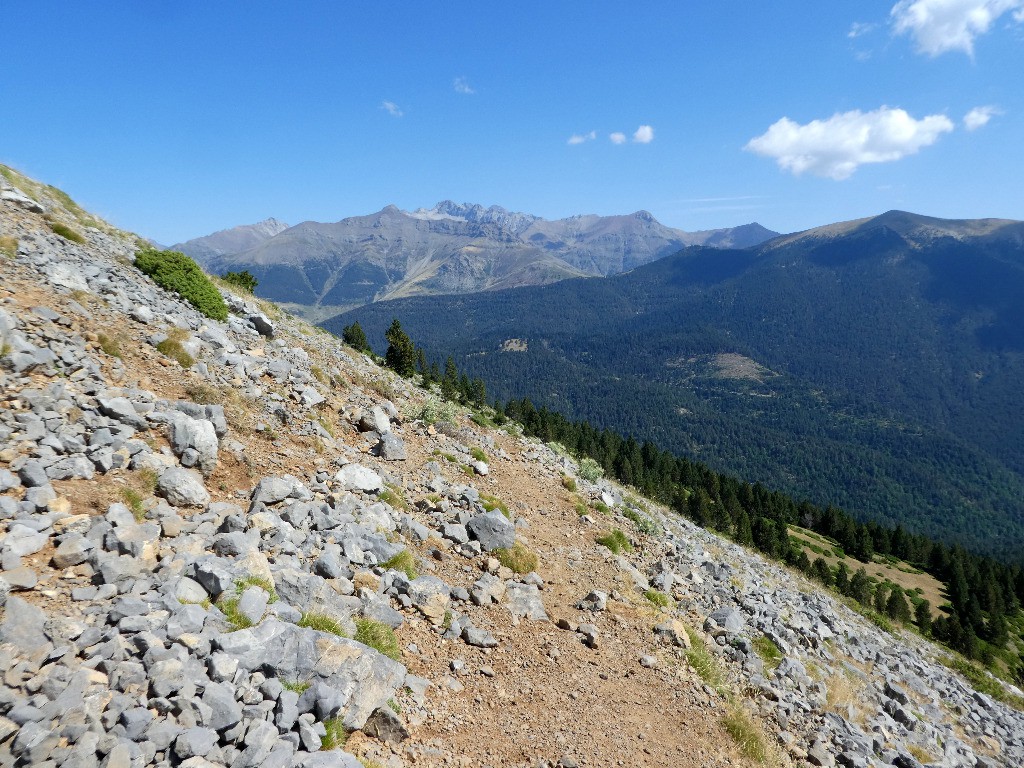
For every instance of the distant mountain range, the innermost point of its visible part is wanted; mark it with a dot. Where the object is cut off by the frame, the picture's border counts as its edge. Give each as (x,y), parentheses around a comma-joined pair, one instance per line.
(318,269)
(875,364)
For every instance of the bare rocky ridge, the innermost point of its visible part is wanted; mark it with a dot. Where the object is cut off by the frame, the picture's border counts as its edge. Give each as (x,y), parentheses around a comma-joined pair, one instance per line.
(191,559)
(320,269)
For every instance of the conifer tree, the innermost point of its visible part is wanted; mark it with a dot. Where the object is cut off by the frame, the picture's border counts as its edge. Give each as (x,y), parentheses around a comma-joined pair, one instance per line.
(354,336)
(401,354)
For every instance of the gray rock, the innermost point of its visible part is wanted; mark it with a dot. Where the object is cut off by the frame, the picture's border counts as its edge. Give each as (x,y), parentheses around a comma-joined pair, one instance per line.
(23,627)
(22,540)
(33,475)
(183,488)
(195,742)
(355,477)
(253,604)
(386,726)
(367,678)
(121,409)
(728,619)
(196,435)
(73,550)
(225,712)
(523,601)
(262,324)
(273,490)
(431,597)
(493,530)
(487,589)
(390,448)
(479,638)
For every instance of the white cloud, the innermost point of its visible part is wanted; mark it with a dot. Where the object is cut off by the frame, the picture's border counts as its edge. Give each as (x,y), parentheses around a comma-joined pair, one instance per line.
(391,108)
(836,147)
(859,28)
(979,116)
(644,135)
(939,26)
(617,138)
(461,85)
(579,138)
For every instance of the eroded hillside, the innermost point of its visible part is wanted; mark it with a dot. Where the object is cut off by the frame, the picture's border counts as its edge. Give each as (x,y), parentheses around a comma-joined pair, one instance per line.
(242,544)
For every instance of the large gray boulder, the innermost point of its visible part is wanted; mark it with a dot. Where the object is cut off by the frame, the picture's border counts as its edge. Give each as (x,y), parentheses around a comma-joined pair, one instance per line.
(183,488)
(493,530)
(355,477)
(364,678)
(194,441)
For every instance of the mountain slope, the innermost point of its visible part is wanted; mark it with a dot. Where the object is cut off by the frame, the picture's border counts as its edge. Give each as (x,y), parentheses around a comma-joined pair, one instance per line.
(131,579)
(232,240)
(318,269)
(871,364)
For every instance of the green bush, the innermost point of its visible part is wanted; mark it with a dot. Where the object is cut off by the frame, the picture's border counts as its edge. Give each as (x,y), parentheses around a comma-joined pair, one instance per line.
(590,470)
(518,558)
(244,280)
(66,232)
(174,271)
(658,599)
(616,541)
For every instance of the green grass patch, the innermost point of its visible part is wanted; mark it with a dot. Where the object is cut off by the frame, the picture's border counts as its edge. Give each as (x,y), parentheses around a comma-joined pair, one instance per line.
(616,541)
(173,349)
(590,470)
(745,732)
(601,507)
(658,599)
(404,561)
(394,498)
(581,507)
(174,271)
(703,663)
(378,636)
(296,686)
(253,580)
(110,345)
(569,483)
(133,500)
(478,454)
(229,607)
(66,232)
(643,523)
(9,246)
(769,652)
(517,558)
(491,503)
(322,623)
(336,735)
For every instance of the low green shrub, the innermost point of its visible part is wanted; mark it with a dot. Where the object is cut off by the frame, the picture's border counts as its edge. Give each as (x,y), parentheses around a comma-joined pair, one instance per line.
(173,349)
(404,561)
(478,454)
(378,636)
(745,732)
(322,623)
(768,651)
(336,735)
(658,599)
(66,232)
(244,280)
(590,470)
(616,541)
(569,483)
(174,271)
(517,558)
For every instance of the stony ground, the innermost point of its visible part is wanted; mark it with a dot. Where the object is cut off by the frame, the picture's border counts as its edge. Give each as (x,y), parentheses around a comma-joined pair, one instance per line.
(188,553)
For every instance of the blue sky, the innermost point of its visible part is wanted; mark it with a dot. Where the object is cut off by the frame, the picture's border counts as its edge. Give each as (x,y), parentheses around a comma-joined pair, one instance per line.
(175,119)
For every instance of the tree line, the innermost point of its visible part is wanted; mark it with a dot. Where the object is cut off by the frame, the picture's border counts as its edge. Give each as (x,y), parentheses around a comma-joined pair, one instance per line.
(983,592)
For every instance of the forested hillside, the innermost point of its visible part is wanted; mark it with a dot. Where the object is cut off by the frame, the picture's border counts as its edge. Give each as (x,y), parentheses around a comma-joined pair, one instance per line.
(874,365)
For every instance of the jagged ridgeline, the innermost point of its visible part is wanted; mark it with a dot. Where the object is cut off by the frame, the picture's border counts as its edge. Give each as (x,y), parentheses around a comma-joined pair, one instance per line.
(873,365)
(241,543)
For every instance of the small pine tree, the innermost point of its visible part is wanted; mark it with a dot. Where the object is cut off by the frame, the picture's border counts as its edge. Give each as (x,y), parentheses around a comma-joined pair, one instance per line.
(450,381)
(244,280)
(860,587)
(881,597)
(923,617)
(843,579)
(401,354)
(897,607)
(354,336)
